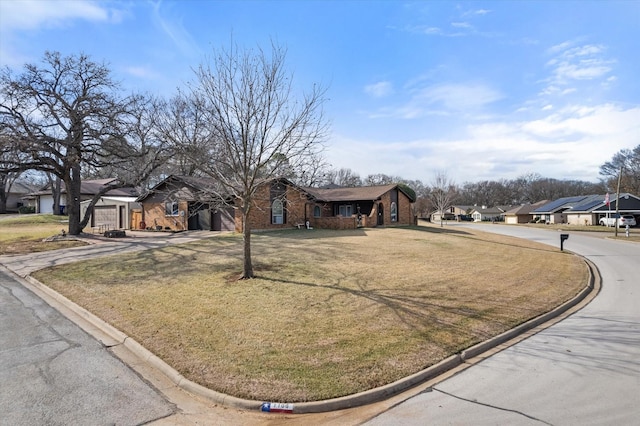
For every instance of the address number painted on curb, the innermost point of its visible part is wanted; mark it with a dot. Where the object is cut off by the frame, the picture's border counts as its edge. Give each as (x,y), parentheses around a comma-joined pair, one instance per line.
(276,407)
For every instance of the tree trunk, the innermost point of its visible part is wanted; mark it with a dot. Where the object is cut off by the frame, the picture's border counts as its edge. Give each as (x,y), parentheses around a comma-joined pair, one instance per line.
(54,181)
(247,267)
(3,194)
(73,200)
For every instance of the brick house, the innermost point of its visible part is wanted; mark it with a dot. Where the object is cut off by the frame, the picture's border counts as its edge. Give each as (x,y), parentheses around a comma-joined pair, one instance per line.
(181,203)
(184,203)
(281,204)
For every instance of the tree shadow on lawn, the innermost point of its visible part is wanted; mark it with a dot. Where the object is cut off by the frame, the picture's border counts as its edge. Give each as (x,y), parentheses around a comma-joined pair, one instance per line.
(309,234)
(419,312)
(435,230)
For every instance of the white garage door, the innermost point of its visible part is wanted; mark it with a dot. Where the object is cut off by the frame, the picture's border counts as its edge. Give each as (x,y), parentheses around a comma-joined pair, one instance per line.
(105,216)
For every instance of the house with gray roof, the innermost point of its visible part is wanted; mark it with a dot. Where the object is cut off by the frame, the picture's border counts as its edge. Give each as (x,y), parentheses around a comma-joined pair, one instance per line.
(489,214)
(594,207)
(555,211)
(522,214)
(586,209)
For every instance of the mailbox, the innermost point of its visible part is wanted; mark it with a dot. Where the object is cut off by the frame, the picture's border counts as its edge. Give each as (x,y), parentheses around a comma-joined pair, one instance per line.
(562,238)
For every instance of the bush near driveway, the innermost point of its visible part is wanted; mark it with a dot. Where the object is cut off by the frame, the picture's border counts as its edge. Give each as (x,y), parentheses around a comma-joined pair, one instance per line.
(331,313)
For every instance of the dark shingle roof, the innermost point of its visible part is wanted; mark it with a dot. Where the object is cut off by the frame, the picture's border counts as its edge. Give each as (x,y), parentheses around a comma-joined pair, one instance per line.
(361,193)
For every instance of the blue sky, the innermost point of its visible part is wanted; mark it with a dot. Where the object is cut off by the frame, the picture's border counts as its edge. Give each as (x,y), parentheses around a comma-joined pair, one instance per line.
(479,90)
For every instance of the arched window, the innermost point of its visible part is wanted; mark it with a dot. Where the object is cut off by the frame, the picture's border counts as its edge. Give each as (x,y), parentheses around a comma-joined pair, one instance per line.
(316,211)
(394,212)
(277,212)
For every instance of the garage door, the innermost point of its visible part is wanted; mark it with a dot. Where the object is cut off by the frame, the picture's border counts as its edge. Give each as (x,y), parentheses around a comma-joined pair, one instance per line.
(105,216)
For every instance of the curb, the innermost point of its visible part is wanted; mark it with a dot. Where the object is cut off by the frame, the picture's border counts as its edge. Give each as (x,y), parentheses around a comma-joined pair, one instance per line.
(111,336)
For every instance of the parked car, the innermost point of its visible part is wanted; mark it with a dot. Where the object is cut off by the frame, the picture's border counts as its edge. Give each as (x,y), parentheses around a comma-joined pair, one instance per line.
(622,221)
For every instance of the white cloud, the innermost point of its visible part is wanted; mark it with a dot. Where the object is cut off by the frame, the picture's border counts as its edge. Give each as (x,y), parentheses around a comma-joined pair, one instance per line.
(568,143)
(461,25)
(459,97)
(572,64)
(379,89)
(34,14)
(175,30)
(437,100)
(142,72)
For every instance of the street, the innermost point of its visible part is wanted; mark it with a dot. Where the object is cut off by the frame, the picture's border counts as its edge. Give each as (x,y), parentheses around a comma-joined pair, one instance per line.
(53,373)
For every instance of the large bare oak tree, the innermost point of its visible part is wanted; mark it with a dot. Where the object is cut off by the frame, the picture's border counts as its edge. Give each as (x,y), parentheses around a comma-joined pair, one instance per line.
(70,117)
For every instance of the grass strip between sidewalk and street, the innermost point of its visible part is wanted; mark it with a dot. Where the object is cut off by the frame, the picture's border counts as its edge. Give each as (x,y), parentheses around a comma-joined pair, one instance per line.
(330,313)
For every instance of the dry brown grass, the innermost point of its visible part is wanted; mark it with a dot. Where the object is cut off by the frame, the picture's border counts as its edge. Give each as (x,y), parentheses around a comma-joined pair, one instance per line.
(25,234)
(331,313)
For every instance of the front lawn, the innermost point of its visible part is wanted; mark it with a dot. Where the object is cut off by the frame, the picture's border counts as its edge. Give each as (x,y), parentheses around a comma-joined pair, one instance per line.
(331,313)
(25,233)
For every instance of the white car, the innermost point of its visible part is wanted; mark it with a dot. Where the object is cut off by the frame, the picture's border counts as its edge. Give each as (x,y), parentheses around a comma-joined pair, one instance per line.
(623,221)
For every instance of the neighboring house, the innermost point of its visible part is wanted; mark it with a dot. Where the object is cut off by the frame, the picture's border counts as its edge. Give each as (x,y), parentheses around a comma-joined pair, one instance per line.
(18,196)
(278,204)
(554,211)
(522,214)
(458,212)
(112,212)
(594,207)
(89,188)
(181,203)
(491,214)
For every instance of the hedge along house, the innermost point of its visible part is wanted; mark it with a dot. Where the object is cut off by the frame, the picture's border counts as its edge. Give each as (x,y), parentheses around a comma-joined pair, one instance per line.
(181,203)
(280,204)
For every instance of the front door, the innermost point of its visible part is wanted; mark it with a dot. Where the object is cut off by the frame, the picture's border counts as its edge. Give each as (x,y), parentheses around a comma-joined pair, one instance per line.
(380,214)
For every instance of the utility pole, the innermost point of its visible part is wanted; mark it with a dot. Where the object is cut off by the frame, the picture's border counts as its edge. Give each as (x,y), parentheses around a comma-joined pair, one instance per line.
(617,217)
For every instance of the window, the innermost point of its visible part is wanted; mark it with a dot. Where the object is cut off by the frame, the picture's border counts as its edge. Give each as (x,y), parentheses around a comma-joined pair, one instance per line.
(394,212)
(345,210)
(277,212)
(171,208)
(316,211)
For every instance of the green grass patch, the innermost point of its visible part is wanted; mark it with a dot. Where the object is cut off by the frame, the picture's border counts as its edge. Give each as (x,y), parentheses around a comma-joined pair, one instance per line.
(331,313)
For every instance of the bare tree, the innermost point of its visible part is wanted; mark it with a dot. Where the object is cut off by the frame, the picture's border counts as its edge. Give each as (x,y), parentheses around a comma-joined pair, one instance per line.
(342,177)
(70,117)
(627,160)
(378,179)
(443,193)
(258,127)
(183,124)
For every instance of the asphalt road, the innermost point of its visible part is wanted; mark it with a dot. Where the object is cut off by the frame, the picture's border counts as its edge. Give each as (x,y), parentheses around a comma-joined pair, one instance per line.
(53,373)
(584,370)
